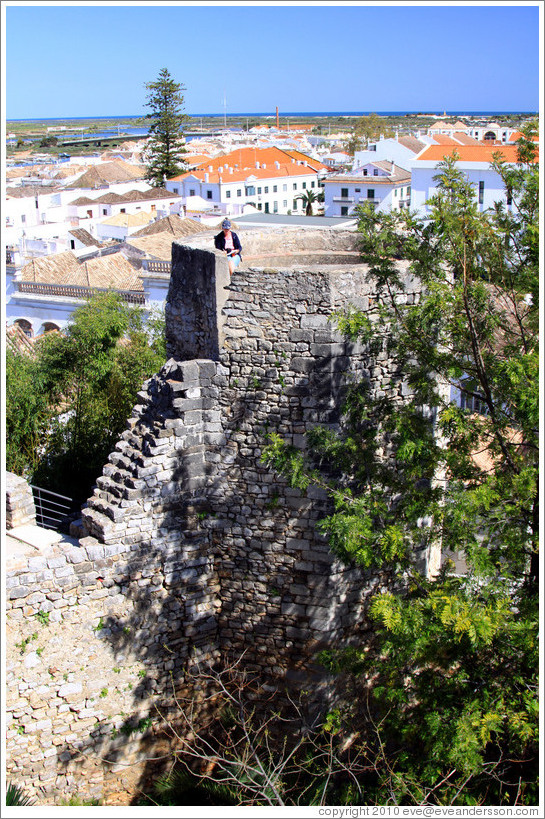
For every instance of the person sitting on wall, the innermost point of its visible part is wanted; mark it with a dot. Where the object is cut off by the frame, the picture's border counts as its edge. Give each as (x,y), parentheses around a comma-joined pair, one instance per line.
(228,240)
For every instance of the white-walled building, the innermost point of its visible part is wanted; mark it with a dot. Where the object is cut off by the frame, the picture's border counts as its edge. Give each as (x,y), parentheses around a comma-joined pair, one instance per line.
(121,225)
(381,184)
(46,291)
(491,131)
(401,151)
(268,179)
(474,161)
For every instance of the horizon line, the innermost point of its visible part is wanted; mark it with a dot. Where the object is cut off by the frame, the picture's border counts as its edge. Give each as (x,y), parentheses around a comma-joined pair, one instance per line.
(445,112)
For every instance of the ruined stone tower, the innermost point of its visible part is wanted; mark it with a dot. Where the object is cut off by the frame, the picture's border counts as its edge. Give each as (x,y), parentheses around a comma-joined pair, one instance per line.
(195,551)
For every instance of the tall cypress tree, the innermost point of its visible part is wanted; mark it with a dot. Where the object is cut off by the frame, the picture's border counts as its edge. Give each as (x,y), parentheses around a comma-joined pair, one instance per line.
(165,148)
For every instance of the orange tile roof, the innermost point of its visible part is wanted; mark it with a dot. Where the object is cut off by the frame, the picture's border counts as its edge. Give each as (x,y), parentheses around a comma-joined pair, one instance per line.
(517,135)
(469,153)
(313,163)
(195,159)
(465,139)
(443,139)
(243,161)
(270,172)
(440,124)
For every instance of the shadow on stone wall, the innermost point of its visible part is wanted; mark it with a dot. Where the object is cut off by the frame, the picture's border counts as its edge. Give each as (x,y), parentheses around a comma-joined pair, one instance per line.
(197,553)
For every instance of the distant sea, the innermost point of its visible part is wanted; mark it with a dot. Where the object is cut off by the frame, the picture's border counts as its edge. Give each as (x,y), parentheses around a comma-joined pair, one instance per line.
(284,114)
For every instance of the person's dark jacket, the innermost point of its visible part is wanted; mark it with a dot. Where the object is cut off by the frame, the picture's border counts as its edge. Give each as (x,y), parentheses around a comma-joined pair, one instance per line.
(219,242)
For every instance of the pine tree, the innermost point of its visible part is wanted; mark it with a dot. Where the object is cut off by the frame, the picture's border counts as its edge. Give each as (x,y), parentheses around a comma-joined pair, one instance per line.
(454,662)
(165,148)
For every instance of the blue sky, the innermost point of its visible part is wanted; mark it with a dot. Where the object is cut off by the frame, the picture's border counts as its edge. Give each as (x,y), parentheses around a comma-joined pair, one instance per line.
(72,60)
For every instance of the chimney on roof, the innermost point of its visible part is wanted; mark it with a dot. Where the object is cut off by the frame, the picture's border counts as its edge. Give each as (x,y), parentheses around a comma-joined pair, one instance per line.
(206,177)
(210,168)
(263,166)
(220,169)
(257,164)
(230,169)
(277,165)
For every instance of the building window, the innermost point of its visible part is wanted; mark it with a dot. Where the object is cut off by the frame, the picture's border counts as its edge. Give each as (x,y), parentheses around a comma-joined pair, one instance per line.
(473,403)
(209,194)
(304,185)
(295,204)
(124,210)
(104,212)
(23,218)
(192,191)
(365,171)
(266,207)
(175,190)
(259,206)
(275,207)
(370,193)
(266,188)
(375,171)
(312,184)
(344,210)
(284,187)
(250,190)
(409,191)
(357,190)
(284,203)
(72,244)
(259,190)
(295,186)
(344,193)
(481,193)
(395,191)
(239,192)
(227,194)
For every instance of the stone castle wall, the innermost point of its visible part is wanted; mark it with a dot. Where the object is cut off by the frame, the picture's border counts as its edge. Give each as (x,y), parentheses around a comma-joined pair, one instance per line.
(194,549)
(20,506)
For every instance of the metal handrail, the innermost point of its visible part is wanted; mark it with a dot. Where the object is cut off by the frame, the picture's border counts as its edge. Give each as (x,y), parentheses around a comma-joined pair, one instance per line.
(50,509)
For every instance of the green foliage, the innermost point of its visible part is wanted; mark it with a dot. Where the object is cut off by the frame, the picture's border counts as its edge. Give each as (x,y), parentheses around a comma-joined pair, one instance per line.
(308,199)
(48,141)
(181,787)
(165,148)
(366,129)
(27,412)
(22,646)
(16,797)
(42,617)
(67,405)
(453,663)
(76,801)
